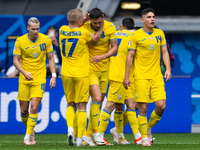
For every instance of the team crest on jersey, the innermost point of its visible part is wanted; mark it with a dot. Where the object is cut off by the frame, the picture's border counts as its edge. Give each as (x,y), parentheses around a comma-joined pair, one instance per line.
(152,46)
(120,96)
(150,38)
(34,46)
(129,43)
(35,55)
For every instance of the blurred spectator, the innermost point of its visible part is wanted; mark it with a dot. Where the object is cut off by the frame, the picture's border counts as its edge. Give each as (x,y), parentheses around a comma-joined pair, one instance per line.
(12,72)
(53,34)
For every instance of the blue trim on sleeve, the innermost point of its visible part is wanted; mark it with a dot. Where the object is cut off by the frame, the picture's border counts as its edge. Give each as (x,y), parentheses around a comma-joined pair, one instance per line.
(130,49)
(164,45)
(16,55)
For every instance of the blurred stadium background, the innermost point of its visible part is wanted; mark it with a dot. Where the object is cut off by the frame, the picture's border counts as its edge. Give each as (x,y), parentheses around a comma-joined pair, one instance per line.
(179,19)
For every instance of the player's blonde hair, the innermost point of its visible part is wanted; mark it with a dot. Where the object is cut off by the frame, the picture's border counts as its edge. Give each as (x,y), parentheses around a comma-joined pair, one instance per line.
(73,15)
(33,20)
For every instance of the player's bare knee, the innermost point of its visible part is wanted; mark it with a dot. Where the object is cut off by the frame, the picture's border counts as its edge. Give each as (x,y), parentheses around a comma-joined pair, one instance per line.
(143,108)
(34,110)
(110,106)
(24,112)
(96,99)
(162,108)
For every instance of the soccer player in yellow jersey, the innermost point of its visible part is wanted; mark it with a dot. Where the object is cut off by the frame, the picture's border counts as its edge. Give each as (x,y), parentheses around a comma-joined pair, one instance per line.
(117,93)
(145,45)
(32,49)
(73,41)
(129,115)
(99,54)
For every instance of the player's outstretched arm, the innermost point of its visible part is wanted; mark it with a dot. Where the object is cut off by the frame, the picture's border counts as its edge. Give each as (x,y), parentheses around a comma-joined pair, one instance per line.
(17,64)
(53,70)
(166,61)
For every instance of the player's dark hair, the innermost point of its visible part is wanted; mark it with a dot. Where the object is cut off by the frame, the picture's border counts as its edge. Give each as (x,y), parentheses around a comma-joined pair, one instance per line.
(146,11)
(95,13)
(51,27)
(128,23)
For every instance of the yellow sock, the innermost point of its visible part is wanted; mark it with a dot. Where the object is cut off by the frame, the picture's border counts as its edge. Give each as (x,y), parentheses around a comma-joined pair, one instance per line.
(118,119)
(76,122)
(24,119)
(70,116)
(154,118)
(133,121)
(84,133)
(82,122)
(142,120)
(95,114)
(89,129)
(104,121)
(125,118)
(32,121)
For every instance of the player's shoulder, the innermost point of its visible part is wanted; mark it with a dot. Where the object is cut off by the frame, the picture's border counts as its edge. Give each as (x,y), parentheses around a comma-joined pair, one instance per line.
(43,36)
(117,32)
(123,33)
(129,32)
(157,30)
(86,24)
(83,29)
(139,31)
(108,24)
(22,38)
(64,27)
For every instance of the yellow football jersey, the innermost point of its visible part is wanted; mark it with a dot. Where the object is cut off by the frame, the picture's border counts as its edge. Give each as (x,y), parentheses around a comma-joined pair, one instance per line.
(147,53)
(33,56)
(74,51)
(118,61)
(102,46)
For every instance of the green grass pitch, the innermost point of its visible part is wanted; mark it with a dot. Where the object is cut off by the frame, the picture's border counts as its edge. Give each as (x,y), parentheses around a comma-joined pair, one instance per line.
(181,141)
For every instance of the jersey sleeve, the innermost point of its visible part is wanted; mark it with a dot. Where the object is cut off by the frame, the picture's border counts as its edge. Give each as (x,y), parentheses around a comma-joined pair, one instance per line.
(49,45)
(17,48)
(88,36)
(112,32)
(132,42)
(163,40)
